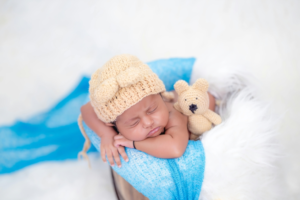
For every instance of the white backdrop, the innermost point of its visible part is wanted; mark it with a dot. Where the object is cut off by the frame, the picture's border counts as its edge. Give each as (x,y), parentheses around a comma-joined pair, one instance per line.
(46,46)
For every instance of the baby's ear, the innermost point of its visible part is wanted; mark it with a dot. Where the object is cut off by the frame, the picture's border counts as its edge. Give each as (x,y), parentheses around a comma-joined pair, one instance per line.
(181,86)
(201,84)
(169,96)
(109,124)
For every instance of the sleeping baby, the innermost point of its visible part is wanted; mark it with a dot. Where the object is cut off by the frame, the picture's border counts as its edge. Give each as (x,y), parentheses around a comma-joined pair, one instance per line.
(129,107)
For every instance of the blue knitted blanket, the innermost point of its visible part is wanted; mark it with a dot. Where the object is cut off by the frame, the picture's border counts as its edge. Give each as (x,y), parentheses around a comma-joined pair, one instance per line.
(157,178)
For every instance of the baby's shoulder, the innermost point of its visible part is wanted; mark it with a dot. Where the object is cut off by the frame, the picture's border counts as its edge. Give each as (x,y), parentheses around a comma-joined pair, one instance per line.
(175,117)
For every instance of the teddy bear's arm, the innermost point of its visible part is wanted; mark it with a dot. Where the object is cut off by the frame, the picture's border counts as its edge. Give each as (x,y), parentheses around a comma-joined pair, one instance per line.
(213,117)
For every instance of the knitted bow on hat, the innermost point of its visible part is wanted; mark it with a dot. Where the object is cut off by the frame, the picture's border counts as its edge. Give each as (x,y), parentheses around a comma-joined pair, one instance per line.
(110,87)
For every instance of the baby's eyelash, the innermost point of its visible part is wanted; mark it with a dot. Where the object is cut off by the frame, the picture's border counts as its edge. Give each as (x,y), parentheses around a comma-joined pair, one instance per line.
(152,110)
(135,123)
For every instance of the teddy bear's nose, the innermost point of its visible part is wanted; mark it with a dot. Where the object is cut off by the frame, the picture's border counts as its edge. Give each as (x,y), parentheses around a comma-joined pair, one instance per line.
(193,107)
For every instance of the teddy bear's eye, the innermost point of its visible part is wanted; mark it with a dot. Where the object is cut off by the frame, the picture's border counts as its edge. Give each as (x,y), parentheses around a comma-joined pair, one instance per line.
(185,99)
(196,98)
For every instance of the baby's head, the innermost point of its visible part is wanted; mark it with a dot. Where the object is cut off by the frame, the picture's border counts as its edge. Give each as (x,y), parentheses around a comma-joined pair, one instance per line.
(147,118)
(126,92)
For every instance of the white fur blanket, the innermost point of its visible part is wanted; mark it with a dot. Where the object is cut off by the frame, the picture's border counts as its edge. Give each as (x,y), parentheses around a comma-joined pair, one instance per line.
(241,153)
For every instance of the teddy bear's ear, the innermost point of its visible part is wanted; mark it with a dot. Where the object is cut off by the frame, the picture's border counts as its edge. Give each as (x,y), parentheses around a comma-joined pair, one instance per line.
(201,84)
(181,86)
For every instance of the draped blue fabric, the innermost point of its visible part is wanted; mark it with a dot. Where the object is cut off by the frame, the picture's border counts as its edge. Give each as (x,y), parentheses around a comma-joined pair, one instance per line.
(54,134)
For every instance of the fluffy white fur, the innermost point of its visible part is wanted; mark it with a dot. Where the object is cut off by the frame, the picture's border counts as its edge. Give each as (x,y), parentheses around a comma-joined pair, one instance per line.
(241,153)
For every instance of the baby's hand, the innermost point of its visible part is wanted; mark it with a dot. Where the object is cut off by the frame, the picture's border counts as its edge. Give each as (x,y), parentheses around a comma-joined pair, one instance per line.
(107,148)
(120,140)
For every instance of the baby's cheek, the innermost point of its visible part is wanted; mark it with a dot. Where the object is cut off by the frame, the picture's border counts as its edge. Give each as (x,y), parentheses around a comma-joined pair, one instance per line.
(136,134)
(163,118)
(127,133)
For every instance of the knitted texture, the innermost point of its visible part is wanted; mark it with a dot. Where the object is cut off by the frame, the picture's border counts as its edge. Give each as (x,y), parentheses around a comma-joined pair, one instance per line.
(158,178)
(193,101)
(121,83)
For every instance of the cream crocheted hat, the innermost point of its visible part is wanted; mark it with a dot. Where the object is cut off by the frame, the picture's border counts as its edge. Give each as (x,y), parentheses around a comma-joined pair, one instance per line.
(121,83)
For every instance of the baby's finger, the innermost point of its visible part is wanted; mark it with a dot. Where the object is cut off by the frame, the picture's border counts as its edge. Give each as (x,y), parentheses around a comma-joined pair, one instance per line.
(103,155)
(116,157)
(123,153)
(118,137)
(110,157)
(123,142)
(117,143)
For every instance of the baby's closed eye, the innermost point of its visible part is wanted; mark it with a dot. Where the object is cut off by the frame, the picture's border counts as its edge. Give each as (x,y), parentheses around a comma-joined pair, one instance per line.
(134,123)
(152,110)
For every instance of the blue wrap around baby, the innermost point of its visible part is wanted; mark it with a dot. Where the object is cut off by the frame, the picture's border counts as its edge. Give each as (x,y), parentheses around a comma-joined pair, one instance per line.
(158,178)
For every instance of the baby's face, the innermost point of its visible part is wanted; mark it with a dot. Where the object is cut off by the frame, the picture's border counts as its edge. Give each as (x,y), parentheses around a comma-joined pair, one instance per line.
(147,118)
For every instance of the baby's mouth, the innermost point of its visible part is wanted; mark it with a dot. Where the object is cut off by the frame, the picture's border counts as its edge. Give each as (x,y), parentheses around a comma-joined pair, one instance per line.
(153,131)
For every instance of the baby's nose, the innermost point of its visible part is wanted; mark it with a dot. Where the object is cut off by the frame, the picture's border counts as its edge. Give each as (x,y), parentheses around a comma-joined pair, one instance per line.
(147,121)
(193,108)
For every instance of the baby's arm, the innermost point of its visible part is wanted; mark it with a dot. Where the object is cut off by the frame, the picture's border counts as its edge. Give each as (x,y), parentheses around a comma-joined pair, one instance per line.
(212,101)
(170,145)
(106,133)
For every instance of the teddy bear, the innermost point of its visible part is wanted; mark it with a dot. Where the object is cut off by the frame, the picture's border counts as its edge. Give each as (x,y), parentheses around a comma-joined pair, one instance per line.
(193,101)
